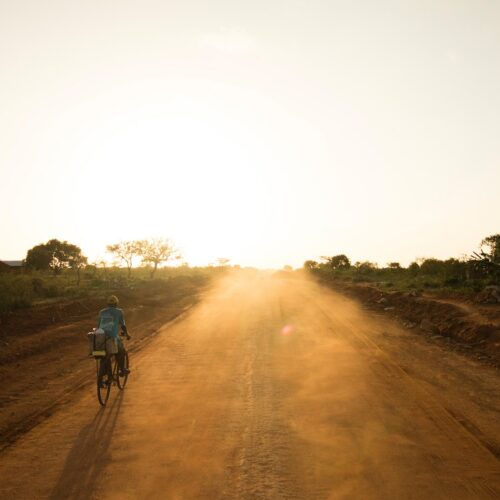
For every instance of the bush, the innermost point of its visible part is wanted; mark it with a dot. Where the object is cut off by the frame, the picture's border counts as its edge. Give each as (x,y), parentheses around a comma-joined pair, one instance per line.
(432,267)
(15,292)
(413,269)
(38,286)
(454,282)
(430,284)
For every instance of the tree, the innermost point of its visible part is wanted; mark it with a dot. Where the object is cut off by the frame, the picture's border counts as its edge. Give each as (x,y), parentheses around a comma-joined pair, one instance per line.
(394,265)
(39,258)
(126,251)
(222,261)
(432,267)
(77,263)
(413,268)
(56,255)
(100,262)
(365,267)
(337,262)
(487,261)
(492,243)
(310,265)
(156,251)
(455,270)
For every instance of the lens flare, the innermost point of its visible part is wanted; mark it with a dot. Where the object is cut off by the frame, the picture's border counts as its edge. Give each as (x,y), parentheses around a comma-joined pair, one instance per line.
(287,330)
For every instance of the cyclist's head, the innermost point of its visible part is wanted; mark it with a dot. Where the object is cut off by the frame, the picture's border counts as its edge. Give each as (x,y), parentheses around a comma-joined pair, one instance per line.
(113,300)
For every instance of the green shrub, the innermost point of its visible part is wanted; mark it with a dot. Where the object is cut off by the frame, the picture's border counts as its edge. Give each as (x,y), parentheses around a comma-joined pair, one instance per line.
(15,292)
(453,282)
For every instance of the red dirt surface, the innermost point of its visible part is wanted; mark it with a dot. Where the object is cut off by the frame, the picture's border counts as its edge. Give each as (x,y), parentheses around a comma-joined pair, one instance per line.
(274,388)
(43,350)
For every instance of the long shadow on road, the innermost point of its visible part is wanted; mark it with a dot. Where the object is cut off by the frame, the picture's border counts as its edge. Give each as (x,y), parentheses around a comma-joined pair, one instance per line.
(89,455)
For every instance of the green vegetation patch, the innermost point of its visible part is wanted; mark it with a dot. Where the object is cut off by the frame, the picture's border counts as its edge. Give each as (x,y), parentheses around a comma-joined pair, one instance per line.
(466,276)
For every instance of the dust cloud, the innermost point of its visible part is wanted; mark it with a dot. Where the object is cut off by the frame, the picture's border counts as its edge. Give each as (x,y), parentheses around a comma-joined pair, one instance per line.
(272,387)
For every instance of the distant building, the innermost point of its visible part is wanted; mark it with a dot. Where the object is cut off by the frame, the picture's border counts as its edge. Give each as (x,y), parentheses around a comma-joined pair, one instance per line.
(11,266)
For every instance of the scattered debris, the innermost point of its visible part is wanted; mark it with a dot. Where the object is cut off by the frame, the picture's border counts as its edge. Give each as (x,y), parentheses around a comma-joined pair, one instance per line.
(428,326)
(490,295)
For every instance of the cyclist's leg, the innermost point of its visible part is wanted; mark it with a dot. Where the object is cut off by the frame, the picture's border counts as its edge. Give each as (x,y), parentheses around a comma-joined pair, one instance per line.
(102,368)
(120,357)
(105,367)
(109,366)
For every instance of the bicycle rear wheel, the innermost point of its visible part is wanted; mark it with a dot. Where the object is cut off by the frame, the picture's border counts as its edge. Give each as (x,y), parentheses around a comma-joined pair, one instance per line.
(121,380)
(103,383)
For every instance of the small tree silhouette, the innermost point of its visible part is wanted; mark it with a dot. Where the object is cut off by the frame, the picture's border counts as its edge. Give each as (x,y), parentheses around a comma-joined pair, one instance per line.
(125,251)
(156,251)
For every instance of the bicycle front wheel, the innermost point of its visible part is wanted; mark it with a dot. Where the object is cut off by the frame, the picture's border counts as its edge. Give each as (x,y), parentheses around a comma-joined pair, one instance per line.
(103,383)
(121,380)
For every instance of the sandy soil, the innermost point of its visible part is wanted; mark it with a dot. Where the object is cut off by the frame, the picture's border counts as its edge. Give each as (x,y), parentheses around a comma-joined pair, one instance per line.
(274,388)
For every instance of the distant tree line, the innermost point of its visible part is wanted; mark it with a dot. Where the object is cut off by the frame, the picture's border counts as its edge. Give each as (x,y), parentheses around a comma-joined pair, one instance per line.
(153,252)
(481,265)
(56,255)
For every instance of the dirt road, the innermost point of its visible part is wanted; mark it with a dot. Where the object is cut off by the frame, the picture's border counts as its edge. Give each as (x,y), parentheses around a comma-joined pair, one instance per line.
(273,388)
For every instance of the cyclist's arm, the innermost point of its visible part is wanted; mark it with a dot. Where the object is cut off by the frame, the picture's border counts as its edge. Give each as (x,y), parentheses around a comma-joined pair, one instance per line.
(124,332)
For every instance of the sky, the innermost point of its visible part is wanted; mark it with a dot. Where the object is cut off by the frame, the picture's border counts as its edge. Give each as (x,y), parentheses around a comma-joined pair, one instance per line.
(267,132)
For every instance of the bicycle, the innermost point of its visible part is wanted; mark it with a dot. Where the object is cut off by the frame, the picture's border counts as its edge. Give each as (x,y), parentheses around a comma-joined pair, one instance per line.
(104,383)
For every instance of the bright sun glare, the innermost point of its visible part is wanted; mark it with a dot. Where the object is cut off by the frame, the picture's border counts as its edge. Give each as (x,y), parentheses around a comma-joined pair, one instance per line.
(265,141)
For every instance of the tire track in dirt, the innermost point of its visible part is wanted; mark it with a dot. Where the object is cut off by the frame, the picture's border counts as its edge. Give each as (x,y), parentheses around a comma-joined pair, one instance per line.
(262,464)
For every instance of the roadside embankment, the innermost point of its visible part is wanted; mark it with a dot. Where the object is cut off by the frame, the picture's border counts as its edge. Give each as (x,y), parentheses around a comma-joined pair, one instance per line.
(471,328)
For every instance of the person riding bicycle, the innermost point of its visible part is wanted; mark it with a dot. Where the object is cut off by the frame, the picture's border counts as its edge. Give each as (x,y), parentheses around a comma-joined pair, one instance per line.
(110,320)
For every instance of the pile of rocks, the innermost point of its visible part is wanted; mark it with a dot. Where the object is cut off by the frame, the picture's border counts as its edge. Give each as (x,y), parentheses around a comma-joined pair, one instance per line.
(490,295)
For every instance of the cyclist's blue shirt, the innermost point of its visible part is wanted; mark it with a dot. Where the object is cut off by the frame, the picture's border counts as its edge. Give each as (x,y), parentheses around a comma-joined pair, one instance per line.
(110,320)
